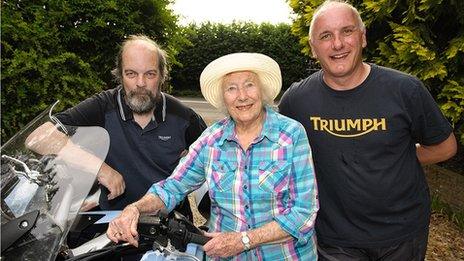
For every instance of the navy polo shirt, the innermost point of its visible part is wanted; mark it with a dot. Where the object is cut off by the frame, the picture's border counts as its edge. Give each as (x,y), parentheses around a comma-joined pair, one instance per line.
(142,156)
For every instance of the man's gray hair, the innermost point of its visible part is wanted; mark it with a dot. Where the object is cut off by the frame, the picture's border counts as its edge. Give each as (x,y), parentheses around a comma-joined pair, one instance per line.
(162,58)
(329,3)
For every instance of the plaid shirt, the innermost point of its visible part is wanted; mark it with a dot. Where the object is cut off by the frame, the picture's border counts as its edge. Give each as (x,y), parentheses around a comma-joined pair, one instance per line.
(273,180)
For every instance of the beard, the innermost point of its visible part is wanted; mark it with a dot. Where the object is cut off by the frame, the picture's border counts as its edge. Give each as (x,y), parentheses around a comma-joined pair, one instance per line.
(140,100)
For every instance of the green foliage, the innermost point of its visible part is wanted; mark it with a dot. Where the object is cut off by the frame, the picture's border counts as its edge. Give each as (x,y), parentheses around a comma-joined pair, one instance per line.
(36,70)
(300,27)
(409,53)
(422,37)
(54,49)
(210,41)
(453,97)
(94,29)
(453,214)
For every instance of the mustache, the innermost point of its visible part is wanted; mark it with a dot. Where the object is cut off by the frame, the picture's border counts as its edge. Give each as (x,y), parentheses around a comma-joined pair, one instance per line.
(140,91)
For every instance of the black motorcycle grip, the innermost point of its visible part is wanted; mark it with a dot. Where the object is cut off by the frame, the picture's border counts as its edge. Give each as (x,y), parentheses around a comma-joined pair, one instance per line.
(198,239)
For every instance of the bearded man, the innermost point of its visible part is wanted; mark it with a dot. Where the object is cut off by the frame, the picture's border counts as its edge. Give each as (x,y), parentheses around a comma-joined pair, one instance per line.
(149,130)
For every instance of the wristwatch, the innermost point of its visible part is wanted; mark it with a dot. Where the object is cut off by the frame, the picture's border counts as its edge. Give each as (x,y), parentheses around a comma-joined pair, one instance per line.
(246,241)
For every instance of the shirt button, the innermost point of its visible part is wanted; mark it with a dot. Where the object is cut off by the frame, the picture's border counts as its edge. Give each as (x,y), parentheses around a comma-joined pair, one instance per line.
(245,186)
(246,167)
(246,206)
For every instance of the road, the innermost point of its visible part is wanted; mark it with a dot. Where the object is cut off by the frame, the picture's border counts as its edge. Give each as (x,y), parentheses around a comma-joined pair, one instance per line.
(202,107)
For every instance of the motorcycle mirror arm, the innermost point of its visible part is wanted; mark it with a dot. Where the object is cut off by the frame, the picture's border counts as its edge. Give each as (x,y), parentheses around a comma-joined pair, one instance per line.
(55,120)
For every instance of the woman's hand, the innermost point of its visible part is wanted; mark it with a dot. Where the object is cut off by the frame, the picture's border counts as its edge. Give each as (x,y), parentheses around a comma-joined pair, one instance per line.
(224,244)
(124,227)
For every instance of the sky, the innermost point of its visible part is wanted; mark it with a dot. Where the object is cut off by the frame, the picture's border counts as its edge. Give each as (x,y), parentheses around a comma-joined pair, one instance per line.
(226,11)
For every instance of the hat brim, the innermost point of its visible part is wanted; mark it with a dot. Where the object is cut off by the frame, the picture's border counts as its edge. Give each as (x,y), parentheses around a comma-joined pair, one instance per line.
(265,67)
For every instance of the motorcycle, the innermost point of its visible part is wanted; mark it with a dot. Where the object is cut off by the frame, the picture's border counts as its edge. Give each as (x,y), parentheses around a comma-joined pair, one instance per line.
(42,194)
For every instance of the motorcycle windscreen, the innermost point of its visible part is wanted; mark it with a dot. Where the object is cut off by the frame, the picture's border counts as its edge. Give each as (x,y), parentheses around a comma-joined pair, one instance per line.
(54,182)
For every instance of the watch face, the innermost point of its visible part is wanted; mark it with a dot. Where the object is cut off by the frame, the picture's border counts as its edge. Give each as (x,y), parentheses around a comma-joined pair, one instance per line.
(246,241)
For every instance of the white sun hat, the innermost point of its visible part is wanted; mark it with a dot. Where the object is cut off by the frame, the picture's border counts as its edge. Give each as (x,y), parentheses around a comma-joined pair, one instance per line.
(264,66)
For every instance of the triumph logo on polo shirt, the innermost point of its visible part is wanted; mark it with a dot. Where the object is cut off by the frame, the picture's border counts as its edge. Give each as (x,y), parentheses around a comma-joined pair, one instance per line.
(348,128)
(164,138)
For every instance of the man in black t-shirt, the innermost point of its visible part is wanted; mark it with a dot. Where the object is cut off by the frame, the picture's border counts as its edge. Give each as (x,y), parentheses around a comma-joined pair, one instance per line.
(370,129)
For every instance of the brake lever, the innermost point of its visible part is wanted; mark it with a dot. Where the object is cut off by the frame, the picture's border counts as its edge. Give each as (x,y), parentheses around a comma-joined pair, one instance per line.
(178,229)
(153,228)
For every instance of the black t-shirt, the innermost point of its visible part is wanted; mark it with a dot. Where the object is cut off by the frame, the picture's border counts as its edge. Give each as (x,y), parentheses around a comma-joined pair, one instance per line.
(372,189)
(142,156)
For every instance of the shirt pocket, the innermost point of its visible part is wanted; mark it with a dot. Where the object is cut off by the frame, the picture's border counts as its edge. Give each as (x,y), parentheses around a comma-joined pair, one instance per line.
(222,175)
(274,176)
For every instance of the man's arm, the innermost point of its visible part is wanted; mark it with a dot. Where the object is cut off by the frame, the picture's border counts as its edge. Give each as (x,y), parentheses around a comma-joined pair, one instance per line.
(47,139)
(436,153)
(429,126)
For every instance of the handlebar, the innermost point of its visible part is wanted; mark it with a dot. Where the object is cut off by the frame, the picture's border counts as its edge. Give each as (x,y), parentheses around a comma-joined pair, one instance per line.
(155,230)
(197,239)
(175,227)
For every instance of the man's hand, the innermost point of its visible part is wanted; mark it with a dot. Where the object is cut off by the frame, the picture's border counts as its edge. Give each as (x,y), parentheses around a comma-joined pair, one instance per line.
(112,180)
(88,205)
(224,244)
(124,227)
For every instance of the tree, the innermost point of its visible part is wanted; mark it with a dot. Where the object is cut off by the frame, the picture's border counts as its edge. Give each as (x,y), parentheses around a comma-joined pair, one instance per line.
(422,37)
(36,69)
(54,49)
(209,41)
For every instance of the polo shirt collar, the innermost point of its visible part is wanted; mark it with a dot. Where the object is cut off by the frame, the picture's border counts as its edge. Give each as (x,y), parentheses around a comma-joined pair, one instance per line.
(126,113)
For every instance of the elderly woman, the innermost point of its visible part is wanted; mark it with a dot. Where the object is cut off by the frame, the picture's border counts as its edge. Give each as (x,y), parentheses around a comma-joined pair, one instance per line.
(257,164)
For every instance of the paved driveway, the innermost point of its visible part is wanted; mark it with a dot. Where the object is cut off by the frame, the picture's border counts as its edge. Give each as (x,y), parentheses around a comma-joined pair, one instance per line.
(202,107)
